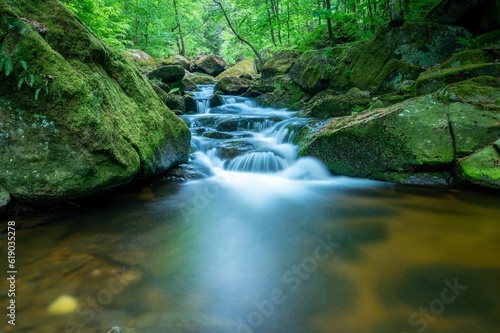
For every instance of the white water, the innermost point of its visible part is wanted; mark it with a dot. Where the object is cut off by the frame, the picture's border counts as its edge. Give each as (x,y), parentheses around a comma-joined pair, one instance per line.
(240,136)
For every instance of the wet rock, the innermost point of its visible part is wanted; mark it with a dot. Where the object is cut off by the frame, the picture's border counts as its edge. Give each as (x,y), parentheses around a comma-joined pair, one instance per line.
(233,85)
(212,65)
(232,148)
(243,69)
(175,102)
(190,103)
(216,101)
(482,92)
(189,84)
(200,78)
(167,74)
(279,63)
(115,248)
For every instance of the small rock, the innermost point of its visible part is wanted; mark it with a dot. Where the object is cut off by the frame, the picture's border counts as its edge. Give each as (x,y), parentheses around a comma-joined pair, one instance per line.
(64,304)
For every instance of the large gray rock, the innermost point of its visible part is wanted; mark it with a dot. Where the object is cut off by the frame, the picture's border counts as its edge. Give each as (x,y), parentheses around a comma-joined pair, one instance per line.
(212,65)
(168,73)
(99,125)
(177,60)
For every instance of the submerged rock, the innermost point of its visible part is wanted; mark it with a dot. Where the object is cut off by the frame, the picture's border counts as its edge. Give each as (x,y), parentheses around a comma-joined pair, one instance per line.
(64,304)
(89,122)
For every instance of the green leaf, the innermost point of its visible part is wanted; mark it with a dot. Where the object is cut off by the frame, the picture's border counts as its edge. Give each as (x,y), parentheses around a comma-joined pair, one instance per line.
(20,83)
(37,91)
(24,64)
(8,66)
(173,90)
(31,80)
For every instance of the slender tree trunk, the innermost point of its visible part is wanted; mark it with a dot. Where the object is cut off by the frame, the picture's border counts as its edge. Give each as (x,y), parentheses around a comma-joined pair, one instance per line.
(329,22)
(370,10)
(288,24)
(182,49)
(243,40)
(270,22)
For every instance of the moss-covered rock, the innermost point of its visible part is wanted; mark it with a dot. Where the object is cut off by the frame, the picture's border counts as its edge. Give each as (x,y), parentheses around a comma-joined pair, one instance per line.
(176,60)
(433,80)
(241,69)
(314,69)
(482,92)
(233,85)
(392,143)
(167,73)
(467,57)
(472,128)
(285,93)
(481,168)
(489,41)
(4,199)
(327,104)
(211,64)
(200,78)
(396,54)
(279,63)
(98,124)
(143,61)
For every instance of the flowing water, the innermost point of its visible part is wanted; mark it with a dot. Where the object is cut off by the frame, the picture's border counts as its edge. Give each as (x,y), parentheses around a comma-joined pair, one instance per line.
(265,242)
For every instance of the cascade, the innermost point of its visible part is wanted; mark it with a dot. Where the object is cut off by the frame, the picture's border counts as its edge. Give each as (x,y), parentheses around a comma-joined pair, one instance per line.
(240,136)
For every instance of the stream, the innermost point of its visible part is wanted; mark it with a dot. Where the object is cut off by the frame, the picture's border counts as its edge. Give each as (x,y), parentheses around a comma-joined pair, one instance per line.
(260,241)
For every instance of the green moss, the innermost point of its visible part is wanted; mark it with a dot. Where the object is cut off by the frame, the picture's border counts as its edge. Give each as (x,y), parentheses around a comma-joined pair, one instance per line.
(481,168)
(241,68)
(431,81)
(467,57)
(482,92)
(100,125)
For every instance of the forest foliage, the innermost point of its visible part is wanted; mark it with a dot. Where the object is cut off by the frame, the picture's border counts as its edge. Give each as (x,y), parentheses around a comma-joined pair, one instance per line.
(199,27)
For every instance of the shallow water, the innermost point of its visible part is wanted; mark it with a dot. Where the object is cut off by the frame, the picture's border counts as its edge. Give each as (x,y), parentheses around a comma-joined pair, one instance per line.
(267,251)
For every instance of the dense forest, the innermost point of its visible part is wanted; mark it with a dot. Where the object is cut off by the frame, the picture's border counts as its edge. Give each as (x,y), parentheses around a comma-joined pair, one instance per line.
(232,28)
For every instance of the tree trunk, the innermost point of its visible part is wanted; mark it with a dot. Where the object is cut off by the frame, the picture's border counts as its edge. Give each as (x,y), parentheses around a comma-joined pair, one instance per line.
(182,49)
(329,22)
(243,40)
(270,22)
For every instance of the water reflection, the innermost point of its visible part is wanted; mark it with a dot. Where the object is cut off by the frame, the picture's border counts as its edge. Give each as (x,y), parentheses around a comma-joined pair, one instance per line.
(234,255)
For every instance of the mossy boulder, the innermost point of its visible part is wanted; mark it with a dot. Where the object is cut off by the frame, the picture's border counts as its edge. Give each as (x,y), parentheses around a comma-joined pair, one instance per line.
(392,143)
(212,65)
(176,102)
(177,60)
(482,92)
(433,80)
(472,128)
(327,104)
(280,63)
(4,199)
(233,85)
(96,126)
(167,73)
(467,57)
(314,69)
(143,61)
(396,54)
(244,69)
(200,78)
(284,93)
(481,168)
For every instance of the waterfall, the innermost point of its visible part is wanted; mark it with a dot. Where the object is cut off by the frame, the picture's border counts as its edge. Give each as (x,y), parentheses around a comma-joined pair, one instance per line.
(240,136)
